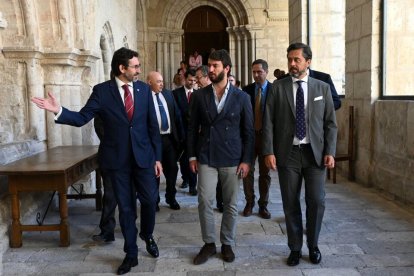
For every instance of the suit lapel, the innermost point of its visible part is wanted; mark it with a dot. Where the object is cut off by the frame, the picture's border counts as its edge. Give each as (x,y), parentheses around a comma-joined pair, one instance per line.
(169,102)
(311,96)
(210,104)
(117,98)
(227,103)
(137,90)
(289,95)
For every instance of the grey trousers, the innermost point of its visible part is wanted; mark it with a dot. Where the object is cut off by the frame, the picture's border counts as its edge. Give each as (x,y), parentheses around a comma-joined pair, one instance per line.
(302,166)
(207,182)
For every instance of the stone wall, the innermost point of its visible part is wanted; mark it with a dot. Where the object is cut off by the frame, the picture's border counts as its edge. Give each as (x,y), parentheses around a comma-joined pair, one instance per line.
(384,129)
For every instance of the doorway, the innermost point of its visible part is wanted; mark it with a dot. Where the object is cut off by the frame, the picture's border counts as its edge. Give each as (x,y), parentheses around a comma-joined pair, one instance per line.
(204,29)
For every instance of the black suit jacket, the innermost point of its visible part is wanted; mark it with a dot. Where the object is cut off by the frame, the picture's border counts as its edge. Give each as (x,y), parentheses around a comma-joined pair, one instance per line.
(250,89)
(177,129)
(327,79)
(182,102)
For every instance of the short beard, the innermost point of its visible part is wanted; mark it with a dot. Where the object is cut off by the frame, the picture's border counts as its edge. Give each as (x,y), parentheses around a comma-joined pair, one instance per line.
(219,78)
(298,74)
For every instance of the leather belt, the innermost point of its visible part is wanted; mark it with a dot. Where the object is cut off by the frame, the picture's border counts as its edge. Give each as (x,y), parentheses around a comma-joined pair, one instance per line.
(300,146)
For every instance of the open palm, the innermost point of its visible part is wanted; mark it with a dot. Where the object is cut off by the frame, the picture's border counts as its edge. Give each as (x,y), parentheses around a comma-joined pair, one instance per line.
(50,103)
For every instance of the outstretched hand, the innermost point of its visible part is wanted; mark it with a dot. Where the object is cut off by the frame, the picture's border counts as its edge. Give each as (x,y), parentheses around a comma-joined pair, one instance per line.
(50,103)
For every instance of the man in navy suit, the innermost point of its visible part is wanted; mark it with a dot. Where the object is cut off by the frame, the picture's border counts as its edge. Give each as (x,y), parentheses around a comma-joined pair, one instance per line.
(220,146)
(130,151)
(172,134)
(182,96)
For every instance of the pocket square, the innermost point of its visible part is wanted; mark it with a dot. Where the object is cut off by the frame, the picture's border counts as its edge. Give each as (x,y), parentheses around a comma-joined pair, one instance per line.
(318,98)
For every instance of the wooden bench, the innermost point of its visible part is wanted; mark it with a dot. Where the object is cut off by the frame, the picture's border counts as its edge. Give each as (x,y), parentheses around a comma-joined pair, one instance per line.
(53,170)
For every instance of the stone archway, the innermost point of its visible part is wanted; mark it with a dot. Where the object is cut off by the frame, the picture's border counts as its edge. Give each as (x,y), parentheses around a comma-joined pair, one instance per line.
(241,30)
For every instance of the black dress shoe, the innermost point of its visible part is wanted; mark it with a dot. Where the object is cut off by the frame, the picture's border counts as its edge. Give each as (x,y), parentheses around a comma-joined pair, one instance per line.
(264,213)
(193,191)
(227,253)
(315,255)
(151,246)
(208,250)
(101,237)
(184,185)
(293,258)
(126,265)
(248,209)
(173,204)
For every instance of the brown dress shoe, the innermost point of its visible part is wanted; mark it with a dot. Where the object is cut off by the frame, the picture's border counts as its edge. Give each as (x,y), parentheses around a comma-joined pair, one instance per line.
(227,253)
(264,213)
(208,250)
(248,209)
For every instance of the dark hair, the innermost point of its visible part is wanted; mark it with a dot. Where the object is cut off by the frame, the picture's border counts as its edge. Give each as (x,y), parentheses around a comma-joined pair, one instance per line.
(122,57)
(263,62)
(189,72)
(221,55)
(306,50)
(203,69)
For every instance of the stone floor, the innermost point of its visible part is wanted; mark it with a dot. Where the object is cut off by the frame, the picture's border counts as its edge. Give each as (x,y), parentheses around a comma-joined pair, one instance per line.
(363,233)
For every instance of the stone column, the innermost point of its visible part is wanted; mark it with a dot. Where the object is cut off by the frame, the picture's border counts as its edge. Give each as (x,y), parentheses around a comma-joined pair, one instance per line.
(63,76)
(159,55)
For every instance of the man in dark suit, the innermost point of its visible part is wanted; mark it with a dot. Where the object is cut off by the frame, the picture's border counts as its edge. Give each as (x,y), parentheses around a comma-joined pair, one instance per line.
(299,136)
(327,79)
(107,223)
(220,146)
(258,91)
(182,96)
(172,134)
(130,151)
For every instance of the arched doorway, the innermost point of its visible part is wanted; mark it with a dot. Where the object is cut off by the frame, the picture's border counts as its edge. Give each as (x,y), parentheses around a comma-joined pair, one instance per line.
(204,28)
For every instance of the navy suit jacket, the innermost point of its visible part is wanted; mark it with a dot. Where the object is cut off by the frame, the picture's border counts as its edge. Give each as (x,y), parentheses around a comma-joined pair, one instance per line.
(327,79)
(139,138)
(223,139)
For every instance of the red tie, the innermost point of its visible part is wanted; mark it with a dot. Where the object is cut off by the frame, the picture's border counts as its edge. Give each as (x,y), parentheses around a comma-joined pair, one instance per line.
(129,102)
(189,95)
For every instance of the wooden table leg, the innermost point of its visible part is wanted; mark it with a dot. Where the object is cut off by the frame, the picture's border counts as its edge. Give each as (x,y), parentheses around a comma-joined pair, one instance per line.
(16,231)
(64,224)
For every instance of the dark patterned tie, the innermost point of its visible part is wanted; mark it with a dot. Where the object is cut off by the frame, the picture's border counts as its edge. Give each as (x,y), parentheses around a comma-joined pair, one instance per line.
(258,110)
(189,95)
(300,113)
(163,114)
(129,102)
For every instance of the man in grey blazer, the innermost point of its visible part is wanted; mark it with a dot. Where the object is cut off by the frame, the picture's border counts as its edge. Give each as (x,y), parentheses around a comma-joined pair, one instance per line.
(299,136)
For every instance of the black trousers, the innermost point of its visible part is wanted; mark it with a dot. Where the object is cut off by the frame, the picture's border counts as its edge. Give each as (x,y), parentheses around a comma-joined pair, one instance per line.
(169,166)
(302,166)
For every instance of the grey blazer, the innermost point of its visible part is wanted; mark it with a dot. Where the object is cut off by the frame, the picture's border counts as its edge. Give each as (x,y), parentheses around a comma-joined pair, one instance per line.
(279,120)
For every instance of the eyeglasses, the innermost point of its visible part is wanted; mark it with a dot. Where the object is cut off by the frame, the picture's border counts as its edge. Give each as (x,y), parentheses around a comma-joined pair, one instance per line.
(135,66)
